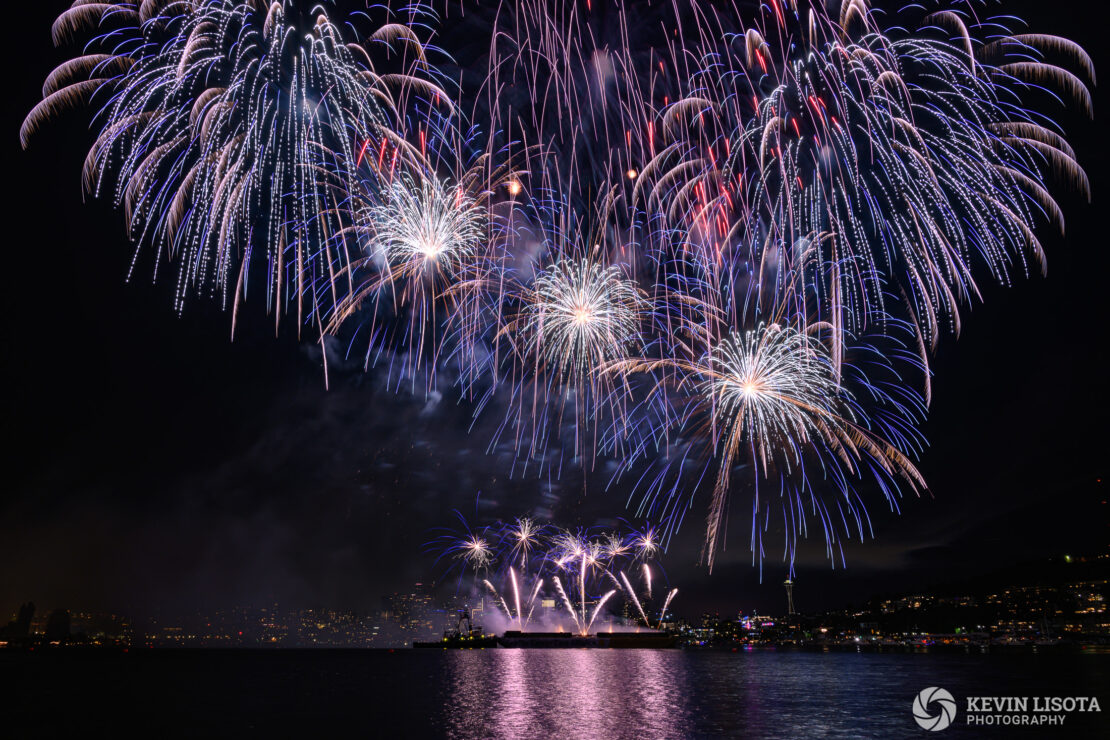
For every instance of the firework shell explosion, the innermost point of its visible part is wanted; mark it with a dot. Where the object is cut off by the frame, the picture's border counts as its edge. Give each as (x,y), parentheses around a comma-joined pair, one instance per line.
(222,126)
(713,244)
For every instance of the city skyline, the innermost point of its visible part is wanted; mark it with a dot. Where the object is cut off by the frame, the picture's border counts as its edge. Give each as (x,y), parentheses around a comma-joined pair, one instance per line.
(446,598)
(1065,599)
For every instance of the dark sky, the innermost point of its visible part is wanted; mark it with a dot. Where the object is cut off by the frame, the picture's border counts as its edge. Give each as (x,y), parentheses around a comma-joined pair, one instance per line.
(149,461)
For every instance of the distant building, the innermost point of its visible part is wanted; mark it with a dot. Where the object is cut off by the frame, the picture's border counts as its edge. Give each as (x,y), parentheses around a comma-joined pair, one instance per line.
(412,613)
(20,626)
(57,626)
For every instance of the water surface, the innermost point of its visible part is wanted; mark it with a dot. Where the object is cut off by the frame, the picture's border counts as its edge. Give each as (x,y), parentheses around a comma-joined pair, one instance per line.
(527,693)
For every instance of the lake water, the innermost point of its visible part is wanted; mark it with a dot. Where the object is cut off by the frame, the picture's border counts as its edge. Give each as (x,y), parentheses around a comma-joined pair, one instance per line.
(527,693)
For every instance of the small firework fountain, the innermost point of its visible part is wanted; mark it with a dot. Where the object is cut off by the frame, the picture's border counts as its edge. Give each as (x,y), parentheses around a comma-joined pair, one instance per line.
(581,571)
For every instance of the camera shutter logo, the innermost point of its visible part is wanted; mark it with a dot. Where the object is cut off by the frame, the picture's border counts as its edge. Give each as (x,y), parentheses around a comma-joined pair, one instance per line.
(932,700)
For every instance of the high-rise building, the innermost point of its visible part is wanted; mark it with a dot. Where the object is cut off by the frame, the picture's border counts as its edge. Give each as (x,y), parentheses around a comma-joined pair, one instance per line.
(412,612)
(57,626)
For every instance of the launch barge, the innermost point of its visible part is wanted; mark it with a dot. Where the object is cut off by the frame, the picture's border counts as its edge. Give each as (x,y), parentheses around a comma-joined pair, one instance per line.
(618,640)
(460,642)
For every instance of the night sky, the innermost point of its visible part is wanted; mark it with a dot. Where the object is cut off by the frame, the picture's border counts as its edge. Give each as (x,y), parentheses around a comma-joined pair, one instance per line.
(150,462)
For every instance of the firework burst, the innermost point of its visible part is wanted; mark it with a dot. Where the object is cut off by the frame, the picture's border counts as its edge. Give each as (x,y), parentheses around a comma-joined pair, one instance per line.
(424,231)
(581,316)
(770,398)
(474,551)
(223,128)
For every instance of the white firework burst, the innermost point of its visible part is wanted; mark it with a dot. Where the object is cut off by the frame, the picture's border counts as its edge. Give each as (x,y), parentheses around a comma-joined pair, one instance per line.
(424,228)
(582,315)
(773,387)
